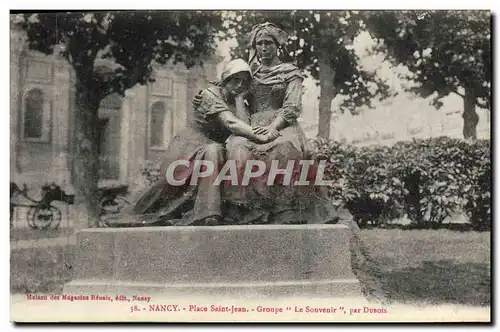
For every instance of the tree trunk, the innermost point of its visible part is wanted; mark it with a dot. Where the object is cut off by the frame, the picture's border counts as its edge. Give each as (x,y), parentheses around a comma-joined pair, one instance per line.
(86,157)
(326,75)
(470,116)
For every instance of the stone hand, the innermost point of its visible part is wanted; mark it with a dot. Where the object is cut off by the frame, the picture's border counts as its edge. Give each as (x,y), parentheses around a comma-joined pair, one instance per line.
(258,130)
(269,130)
(273,131)
(262,139)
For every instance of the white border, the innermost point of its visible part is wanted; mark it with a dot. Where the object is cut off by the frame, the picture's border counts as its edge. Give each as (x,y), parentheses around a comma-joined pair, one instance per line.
(103,4)
(277,4)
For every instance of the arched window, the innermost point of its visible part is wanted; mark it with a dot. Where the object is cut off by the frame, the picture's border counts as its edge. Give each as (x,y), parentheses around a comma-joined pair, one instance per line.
(157,128)
(33,114)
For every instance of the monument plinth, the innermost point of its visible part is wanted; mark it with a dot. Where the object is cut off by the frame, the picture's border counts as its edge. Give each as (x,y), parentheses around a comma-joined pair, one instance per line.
(239,261)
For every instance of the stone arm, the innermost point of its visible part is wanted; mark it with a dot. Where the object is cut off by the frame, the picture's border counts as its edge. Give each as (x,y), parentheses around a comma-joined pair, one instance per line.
(214,108)
(292,105)
(241,103)
(290,110)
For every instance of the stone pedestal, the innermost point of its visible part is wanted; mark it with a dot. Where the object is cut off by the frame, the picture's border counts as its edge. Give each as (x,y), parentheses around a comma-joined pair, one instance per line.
(255,261)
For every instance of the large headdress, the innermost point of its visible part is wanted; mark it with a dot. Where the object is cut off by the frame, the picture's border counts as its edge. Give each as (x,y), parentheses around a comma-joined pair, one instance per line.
(266,29)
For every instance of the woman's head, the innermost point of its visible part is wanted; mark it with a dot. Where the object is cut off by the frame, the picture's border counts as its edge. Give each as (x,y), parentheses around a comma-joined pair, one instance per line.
(266,45)
(236,76)
(266,39)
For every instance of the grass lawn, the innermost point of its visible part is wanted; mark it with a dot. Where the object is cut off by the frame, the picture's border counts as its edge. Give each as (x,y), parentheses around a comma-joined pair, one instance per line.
(418,266)
(43,270)
(432,266)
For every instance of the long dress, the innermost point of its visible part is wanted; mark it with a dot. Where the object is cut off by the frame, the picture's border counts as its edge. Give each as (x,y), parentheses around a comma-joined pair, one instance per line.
(165,204)
(276,91)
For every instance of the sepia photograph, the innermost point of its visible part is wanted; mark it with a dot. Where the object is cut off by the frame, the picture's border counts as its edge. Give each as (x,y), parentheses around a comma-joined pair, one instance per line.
(251,166)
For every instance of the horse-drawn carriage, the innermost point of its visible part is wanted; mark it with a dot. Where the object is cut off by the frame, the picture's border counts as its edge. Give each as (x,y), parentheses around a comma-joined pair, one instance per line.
(43,214)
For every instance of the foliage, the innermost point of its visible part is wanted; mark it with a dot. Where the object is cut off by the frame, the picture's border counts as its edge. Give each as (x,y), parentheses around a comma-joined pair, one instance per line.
(374,192)
(477,192)
(432,171)
(427,179)
(446,51)
(337,156)
(312,35)
(362,181)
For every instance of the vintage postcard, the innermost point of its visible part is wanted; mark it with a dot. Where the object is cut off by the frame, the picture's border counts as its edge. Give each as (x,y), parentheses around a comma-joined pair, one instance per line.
(250,166)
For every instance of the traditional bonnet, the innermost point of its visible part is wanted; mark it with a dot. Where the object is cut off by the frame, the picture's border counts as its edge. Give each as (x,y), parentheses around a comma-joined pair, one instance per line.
(269,29)
(234,67)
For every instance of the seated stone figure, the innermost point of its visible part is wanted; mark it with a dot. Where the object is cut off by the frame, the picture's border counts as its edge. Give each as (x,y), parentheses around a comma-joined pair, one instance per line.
(214,120)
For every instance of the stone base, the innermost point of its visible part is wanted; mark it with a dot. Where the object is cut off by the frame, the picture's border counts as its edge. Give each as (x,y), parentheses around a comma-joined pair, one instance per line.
(255,261)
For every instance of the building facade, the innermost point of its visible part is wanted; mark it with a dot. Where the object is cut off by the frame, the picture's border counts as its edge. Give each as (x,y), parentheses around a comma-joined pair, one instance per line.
(134,129)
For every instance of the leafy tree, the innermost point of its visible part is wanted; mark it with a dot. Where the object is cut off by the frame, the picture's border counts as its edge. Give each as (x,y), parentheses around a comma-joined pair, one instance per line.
(320,42)
(133,41)
(446,52)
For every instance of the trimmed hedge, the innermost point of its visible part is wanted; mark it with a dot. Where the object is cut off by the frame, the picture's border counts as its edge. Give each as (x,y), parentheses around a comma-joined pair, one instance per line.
(426,179)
